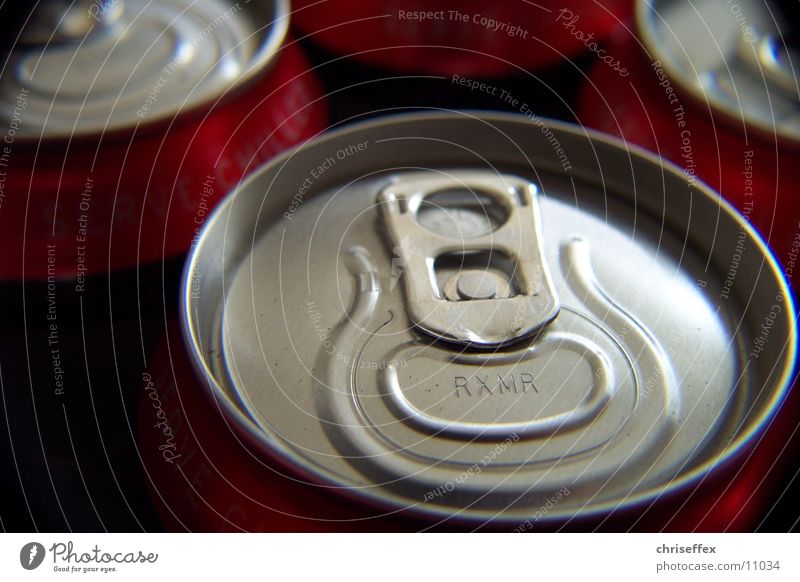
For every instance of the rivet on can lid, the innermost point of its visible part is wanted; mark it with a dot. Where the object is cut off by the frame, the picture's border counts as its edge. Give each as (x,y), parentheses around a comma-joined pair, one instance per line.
(477,285)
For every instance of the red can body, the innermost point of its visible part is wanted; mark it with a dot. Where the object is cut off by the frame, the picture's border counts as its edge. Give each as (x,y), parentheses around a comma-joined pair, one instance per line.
(204,477)
(756,171)
(93,204)
(472,38)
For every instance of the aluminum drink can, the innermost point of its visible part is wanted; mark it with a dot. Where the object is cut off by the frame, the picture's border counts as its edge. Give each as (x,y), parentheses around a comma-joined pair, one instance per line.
(711,87)
(121,133)
(452,320)
(471,38)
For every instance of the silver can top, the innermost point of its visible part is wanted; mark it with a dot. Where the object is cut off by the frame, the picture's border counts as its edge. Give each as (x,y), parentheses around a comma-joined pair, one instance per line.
(733,56)
(473,315)
(101,66)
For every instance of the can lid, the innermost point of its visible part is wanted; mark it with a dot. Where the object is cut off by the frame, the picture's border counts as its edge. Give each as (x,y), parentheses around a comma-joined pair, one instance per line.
(92,67)
(471,315)
(739,57)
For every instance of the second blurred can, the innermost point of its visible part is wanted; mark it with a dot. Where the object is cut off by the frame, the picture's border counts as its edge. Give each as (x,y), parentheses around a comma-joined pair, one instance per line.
(443,37)
(712,88)
(124,121)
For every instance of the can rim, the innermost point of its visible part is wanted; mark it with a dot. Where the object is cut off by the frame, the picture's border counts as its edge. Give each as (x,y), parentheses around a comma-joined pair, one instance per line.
(774,131)
(276,451)
(264,59)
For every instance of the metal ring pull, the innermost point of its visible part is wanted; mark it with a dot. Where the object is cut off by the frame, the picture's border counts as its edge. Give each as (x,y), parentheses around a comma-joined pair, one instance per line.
(471,249)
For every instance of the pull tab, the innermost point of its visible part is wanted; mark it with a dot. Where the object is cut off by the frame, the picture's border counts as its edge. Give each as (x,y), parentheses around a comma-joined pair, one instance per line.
(470,245)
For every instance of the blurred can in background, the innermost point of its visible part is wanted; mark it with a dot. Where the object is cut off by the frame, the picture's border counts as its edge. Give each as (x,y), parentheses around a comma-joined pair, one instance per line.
(123,122)
(121,125)
(713,87)
(473,38)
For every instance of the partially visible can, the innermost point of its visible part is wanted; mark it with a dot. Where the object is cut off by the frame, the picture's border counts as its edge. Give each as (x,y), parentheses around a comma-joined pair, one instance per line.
(473,38)
(431,315)
(712,88)
(125,121)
